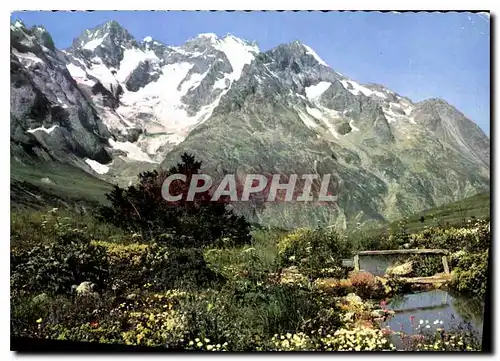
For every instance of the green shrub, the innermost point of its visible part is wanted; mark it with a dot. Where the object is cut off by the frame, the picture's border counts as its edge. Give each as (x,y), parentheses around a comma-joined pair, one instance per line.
(470,274)
(125,264)
(316,252)
(469,258)
(56,267)
(426,265)
(247,319)
(141,208)
(166,268)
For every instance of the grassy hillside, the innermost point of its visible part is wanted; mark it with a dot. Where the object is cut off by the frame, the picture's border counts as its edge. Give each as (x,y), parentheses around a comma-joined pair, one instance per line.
(455,213)
(52,183)
(73,185)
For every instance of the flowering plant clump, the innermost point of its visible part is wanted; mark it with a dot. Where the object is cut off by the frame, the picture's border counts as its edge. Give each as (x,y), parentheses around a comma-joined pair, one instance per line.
(292,342)
(356,339)
(292,276)
(440,340)
(204,344)
(367,285)
(120,253)
(317,252)
(154,328)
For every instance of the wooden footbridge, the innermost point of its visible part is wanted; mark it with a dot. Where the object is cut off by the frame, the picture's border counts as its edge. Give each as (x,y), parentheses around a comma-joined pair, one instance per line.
(443,277)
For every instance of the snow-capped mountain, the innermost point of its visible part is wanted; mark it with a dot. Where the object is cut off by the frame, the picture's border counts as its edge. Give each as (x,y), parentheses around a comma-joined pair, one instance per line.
(114,105)
(161,92)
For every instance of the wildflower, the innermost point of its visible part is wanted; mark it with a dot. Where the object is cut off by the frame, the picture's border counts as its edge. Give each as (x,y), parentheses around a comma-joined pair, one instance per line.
(412,318)
(39,320)
(421,322)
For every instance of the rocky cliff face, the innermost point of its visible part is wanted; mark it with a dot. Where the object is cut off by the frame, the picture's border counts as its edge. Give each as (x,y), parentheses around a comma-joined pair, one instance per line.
(50,115)
(115,106)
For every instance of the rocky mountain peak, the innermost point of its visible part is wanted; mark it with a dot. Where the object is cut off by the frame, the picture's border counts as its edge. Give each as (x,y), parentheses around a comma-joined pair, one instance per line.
(106,41)
(295,55)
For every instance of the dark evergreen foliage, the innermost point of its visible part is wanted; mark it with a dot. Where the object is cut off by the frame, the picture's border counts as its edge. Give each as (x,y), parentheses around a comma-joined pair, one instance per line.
(141,208)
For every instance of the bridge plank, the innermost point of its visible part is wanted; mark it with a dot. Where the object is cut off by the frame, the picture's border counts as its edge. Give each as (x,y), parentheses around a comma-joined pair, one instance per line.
(403,251)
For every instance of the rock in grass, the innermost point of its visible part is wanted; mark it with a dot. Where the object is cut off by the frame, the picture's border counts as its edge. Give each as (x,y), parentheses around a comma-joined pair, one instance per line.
(401,270)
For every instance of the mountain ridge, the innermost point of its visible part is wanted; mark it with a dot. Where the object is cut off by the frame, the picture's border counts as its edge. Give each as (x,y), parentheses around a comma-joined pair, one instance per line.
(113,106)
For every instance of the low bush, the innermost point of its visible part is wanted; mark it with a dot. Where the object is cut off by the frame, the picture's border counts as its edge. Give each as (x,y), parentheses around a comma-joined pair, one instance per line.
(166,268)
(471,274)
(365,284)
(54,268)
(317,253)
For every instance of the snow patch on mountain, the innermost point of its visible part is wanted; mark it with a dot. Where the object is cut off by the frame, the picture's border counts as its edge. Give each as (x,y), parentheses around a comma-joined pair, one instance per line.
(325,115)
(238,53)
(352,126)
(27,59)
(100,71)
(76,72)
(308,121)
(393,116)
(162,96)
(92,44)
(131,59)
(46,130)
(132,150)
(193,82)
(356,89)
(97,167)
(315,91)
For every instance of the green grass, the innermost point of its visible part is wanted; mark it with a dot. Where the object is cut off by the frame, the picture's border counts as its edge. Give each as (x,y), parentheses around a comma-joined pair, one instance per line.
(455,213)
(70,184)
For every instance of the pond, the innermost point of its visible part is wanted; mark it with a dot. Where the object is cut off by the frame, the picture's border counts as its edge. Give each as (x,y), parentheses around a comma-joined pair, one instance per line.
(436,309)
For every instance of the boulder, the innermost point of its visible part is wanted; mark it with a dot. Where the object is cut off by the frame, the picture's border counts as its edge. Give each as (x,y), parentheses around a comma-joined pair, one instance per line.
(401,270)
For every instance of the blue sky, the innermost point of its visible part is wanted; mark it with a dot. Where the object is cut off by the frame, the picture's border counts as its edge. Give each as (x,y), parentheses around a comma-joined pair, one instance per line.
(419,55)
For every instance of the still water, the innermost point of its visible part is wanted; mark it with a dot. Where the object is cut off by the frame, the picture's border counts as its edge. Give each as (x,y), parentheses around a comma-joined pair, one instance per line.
(436,309)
